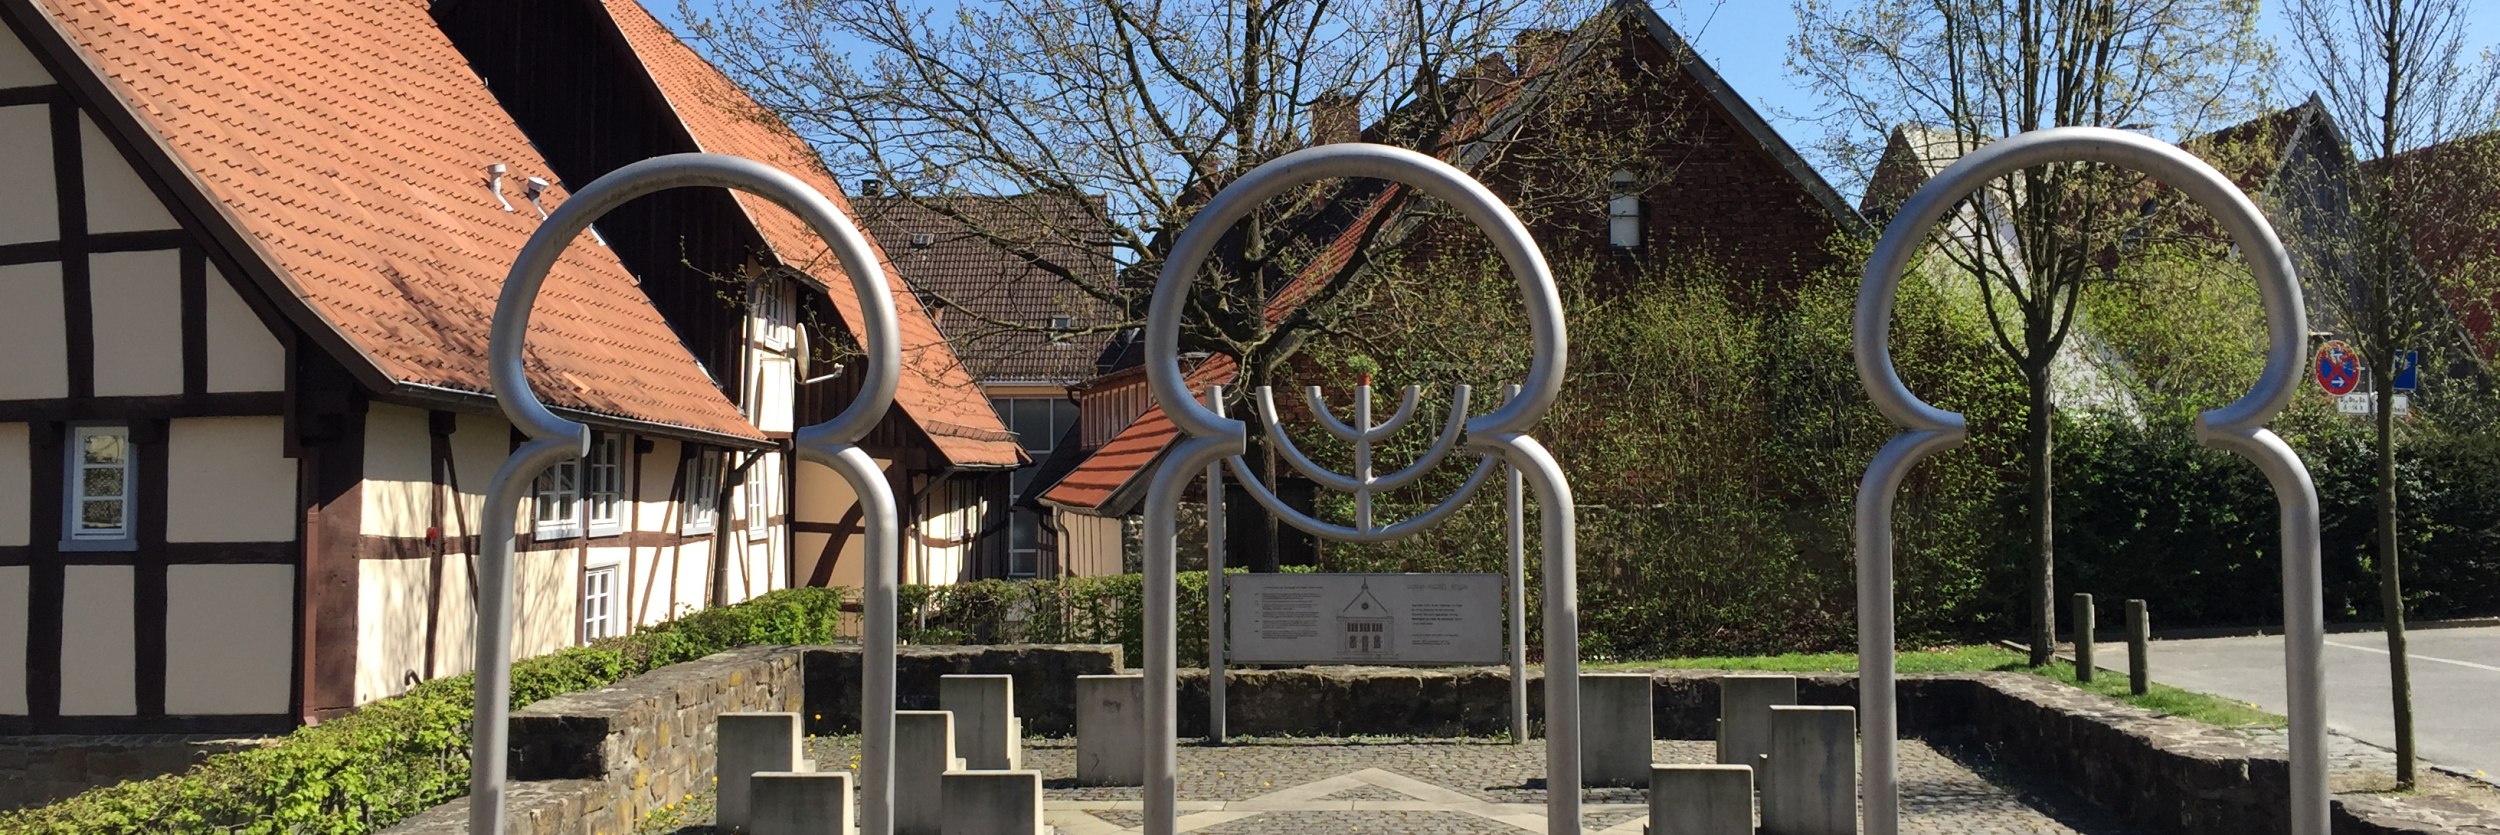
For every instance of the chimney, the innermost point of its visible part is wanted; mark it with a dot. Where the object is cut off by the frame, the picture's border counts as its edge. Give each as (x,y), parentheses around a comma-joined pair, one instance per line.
(871,187)
(1336,117)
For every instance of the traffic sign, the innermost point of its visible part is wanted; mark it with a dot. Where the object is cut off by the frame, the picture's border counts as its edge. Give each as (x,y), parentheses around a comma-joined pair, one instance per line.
(2407,364)
(2338,368)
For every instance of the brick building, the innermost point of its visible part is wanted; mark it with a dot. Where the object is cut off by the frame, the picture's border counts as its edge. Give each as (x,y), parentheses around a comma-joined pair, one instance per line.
(1707,180)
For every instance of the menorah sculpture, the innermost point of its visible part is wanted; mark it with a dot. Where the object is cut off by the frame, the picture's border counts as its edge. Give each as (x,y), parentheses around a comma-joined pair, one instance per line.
(2238,427)
(554,439)
(1364,484)
(1211,439)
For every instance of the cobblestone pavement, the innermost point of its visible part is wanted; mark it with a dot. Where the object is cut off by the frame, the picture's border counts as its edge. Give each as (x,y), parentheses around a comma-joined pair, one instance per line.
(1452,786)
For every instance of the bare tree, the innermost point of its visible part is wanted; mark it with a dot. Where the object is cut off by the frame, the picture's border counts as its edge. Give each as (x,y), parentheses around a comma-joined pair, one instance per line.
(1962,72)
(1146,108)
(2399,83)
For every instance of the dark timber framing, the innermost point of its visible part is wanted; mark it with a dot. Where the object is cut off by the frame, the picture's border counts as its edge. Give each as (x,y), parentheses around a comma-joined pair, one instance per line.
(147,418)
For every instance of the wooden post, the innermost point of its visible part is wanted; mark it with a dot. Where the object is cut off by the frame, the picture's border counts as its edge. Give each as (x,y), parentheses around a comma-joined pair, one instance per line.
(2083,638)
(2139,635)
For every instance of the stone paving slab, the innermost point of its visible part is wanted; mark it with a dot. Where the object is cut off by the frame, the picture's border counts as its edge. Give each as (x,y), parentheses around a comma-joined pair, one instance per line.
(1452,786)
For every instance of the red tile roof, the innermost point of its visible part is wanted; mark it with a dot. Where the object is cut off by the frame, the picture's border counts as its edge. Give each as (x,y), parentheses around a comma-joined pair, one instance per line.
(348,142)
(935,390)
(1107,472)
(999,299)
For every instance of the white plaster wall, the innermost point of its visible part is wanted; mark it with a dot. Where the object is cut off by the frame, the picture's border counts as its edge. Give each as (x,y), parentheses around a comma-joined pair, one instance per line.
(390,626)
(13,581)
(605,555)
(138,322)
(229,480)
(229,638)
(773,404)
(399,486)
(117,200)
(30,213)
(242,354)
(547,603)
(32,334)
(822,495)
(18,67)
(98,655)
(455,646)
(479,445)
(655,479)
(693,567)
(15,481)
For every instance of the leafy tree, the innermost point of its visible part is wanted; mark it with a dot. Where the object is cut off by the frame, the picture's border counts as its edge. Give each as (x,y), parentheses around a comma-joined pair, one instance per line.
(2399,84)
(1143,110)
(1961,72)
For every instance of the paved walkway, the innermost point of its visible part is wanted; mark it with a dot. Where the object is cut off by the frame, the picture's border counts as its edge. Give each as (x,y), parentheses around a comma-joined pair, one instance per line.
(2455,673)
(1453,786)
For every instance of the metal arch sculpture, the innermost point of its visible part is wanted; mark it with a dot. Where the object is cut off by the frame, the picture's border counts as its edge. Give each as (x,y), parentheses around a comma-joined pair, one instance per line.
(2238,427)
(1211,438)
(553,439)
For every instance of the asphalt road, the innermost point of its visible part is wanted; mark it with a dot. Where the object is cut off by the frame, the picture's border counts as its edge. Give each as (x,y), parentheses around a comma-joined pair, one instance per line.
(2456,683)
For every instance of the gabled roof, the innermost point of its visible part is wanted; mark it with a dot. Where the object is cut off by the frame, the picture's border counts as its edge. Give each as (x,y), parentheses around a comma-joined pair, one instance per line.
(990,300)
(935,390)
(1110,482)
(338,152)
(1743,113)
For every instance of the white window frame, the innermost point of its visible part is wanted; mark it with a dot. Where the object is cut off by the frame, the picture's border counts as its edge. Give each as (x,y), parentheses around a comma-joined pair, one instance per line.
(601,589)
(559,486)
(603,484)
(759,499)
(1623,211)
(74,535)
(697,511)
(773,308)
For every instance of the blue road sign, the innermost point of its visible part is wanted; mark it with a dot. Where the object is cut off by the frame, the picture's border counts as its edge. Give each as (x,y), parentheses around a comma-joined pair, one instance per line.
(2407,364)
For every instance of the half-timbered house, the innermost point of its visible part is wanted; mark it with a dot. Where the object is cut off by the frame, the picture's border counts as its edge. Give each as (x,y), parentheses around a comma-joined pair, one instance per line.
(248,258)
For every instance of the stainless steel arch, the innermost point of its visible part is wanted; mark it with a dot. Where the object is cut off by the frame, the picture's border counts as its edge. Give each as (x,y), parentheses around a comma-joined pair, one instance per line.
(2239,427)
(1209,438)
(554,439)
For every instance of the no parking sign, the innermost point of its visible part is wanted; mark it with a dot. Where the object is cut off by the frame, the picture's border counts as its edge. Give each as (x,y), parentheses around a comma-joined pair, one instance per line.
(2338,368)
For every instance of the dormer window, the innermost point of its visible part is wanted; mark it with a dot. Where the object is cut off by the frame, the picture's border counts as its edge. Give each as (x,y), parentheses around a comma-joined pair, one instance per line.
(1623,211)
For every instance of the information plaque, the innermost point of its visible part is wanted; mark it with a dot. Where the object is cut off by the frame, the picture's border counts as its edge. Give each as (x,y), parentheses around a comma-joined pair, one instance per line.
(1366,618)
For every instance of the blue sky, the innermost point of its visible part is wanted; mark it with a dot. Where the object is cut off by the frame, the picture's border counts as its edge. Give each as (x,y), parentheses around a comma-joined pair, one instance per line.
(1747,42)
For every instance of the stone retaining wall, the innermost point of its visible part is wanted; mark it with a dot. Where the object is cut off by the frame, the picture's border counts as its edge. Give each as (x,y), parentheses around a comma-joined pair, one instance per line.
(1045,681)
(1474,701)
(596,762)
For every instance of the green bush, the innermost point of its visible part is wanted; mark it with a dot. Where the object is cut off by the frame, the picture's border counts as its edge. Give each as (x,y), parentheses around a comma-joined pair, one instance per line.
(402,755)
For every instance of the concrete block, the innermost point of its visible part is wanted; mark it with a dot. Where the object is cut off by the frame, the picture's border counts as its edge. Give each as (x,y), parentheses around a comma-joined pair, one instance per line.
(1615,729)
(1745,704)
(802,803)
(749,743)
(1700,800)
(987,734)
(1811,787)
(924,751)
(1111,730)
(994,803)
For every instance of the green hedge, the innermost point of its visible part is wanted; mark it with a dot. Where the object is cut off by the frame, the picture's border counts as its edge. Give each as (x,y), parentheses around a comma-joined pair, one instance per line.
(403,755)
